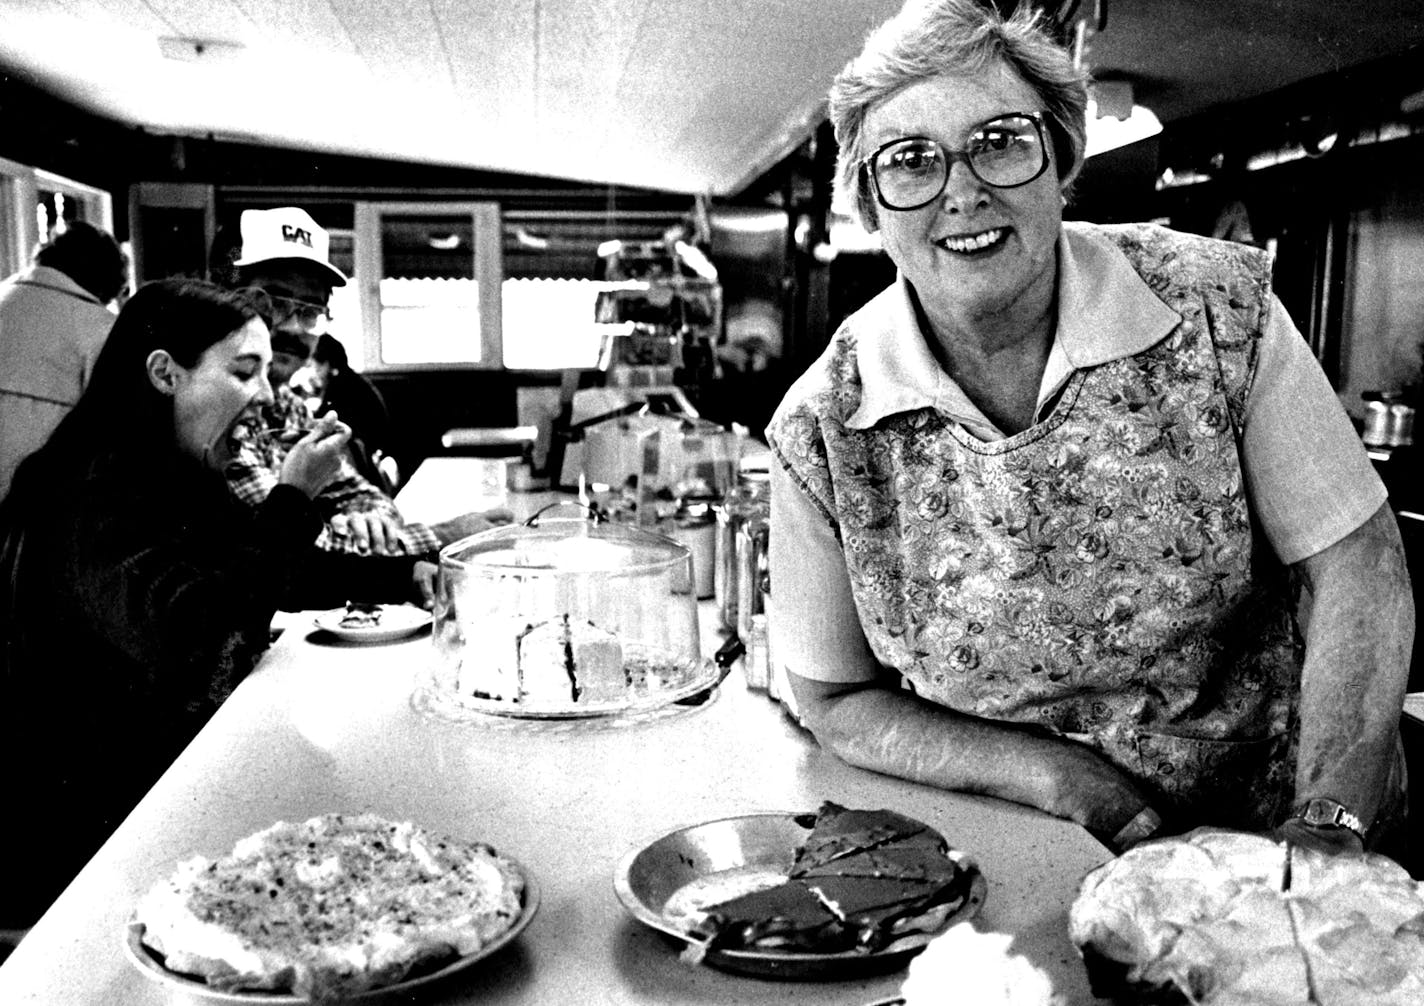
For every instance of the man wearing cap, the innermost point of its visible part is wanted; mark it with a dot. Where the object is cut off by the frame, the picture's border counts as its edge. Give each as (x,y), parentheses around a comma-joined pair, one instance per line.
(285,253)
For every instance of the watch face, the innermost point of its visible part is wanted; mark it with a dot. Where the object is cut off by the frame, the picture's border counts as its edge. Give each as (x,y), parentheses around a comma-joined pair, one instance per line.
(1320,812)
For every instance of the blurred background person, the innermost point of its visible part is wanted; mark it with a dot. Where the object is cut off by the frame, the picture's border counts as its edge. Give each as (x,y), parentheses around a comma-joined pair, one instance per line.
(135,591)
(351,395)
(54,316)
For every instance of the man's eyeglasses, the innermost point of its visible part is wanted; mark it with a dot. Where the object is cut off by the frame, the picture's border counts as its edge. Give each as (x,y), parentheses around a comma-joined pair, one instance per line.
(306,312)
(1004,152)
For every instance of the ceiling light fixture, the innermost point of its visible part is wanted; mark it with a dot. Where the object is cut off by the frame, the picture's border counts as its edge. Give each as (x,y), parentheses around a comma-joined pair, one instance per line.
(199,50)
(694,258)
(527,240)
(1318,134)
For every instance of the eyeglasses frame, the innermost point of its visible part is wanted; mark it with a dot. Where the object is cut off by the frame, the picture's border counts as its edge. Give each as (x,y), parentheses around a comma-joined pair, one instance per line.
(295,306)
(865,164)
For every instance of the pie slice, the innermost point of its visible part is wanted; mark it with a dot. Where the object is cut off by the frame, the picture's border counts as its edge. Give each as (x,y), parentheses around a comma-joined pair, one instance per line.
(839,832)
(860,880)
(1360,924)
(788,917)
(1130,912)
(1248,954)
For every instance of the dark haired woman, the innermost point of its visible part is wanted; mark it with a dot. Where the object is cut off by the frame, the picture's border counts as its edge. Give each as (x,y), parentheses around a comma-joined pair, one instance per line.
(136,591)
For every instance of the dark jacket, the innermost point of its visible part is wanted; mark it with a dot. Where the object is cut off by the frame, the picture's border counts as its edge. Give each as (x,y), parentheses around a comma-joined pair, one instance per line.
(360,406)
(131,609)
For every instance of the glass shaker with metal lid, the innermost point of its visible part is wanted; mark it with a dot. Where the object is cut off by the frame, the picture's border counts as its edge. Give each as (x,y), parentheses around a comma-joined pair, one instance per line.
(749,500)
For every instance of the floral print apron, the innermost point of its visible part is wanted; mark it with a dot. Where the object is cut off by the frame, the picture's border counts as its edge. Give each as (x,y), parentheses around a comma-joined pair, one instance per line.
(1098,573)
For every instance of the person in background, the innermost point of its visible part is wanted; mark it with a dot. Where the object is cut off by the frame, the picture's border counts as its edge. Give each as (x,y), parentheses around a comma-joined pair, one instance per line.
(1061,487)
(131,606)
(54,316)
(355,399)
(285,254)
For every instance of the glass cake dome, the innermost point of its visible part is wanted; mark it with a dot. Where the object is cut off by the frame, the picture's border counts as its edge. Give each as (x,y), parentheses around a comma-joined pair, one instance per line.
(566,617)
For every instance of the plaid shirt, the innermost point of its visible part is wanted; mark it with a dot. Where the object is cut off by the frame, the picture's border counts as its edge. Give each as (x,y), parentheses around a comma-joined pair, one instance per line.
(254,471)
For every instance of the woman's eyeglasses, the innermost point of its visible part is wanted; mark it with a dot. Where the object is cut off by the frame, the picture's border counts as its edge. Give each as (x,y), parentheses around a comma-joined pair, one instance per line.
(1004,152)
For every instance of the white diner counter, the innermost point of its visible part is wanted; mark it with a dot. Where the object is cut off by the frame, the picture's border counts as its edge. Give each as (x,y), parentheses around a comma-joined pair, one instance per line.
(322,726)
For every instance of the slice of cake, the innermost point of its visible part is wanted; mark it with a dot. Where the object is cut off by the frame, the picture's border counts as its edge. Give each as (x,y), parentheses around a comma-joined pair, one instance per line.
(360,615)
(860,880)
(564,660)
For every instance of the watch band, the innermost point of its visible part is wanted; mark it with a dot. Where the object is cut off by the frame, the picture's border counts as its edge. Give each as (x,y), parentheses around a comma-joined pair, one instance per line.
(1322,812)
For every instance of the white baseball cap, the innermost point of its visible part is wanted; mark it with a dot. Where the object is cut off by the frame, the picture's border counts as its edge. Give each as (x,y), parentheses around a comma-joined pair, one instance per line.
(287,232)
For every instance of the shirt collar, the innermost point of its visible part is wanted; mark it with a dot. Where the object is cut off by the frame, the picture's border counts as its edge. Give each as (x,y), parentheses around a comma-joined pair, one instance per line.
(1105,312)
(48,276)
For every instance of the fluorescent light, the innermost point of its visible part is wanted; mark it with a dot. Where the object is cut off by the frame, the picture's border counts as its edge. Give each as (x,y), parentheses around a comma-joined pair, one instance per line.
(1108,133)
(694,259)
(199,50)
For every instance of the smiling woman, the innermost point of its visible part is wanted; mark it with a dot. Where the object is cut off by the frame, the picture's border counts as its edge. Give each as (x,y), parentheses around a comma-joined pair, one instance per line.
(1049,486)
(135,592)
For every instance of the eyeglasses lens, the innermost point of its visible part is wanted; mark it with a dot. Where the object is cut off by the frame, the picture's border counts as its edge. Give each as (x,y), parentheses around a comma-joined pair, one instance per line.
(305,313)
(1003,152)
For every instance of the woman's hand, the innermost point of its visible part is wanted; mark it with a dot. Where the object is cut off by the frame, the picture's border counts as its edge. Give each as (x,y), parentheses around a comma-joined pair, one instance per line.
(1088,789)
(316,459)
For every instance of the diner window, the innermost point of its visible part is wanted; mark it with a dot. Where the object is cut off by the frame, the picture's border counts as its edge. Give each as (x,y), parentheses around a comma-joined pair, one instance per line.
(62,201)
(36,204)
(427,281)
(549,324)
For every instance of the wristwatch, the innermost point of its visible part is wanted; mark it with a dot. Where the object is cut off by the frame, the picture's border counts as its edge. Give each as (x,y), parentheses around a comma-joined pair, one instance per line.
(1323,812)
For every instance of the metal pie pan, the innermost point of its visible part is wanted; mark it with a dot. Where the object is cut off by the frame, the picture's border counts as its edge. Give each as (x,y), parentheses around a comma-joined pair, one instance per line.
(649,879)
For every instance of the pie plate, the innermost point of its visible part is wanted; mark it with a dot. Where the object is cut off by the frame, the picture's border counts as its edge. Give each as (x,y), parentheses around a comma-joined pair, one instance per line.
(150,962)
(662,881)
(396,622)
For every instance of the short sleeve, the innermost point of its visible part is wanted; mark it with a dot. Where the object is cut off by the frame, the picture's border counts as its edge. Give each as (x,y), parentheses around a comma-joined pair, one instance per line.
(1308,477)
(814,628)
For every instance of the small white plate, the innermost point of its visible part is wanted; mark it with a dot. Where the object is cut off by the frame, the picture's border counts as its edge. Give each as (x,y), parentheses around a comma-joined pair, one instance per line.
(396,622)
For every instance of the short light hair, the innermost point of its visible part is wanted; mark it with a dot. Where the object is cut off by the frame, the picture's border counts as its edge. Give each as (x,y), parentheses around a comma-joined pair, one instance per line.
(931,38)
